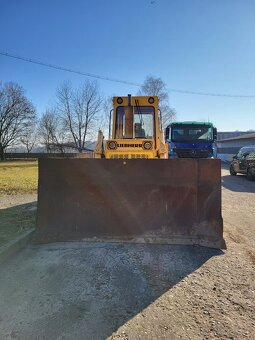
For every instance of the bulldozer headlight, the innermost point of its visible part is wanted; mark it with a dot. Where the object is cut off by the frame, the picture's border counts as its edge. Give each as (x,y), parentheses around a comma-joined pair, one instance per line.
(112,145)
(119,100)
(151,100)
(147,145)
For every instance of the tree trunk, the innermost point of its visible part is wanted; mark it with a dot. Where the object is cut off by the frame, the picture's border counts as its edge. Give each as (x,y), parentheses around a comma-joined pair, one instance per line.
(1,152)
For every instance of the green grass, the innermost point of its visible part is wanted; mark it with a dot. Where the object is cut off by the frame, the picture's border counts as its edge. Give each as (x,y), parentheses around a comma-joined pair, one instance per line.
(16,220)
(18,177)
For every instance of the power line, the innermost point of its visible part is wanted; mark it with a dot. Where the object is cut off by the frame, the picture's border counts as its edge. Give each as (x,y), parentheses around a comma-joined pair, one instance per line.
(96,76)
(214,94)
(87,74)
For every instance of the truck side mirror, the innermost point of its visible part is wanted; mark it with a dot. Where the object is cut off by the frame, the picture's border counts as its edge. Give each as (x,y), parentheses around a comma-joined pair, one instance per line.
(214,133)
(167,130)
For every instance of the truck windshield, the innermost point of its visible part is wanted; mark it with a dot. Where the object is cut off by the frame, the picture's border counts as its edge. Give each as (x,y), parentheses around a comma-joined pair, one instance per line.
(186,133)
(143,122)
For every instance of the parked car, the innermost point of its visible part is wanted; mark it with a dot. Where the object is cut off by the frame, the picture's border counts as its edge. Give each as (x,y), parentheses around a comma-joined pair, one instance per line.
(244,162)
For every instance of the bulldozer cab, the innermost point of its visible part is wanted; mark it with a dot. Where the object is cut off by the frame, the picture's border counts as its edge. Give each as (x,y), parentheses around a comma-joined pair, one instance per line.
(136,129)
(137,121)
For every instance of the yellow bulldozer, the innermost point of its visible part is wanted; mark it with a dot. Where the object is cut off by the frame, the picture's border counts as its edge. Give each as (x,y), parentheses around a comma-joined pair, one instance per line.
(136,130)
(129,191)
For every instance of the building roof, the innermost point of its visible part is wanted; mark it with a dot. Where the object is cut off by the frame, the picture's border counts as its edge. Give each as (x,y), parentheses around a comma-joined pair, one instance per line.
(241,137)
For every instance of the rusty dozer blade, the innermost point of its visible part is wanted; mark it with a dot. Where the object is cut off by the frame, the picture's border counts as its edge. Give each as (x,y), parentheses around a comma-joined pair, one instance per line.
(168,201)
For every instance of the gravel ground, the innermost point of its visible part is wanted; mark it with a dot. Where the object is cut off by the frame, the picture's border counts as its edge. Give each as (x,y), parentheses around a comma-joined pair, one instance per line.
(115,291)
(8,201)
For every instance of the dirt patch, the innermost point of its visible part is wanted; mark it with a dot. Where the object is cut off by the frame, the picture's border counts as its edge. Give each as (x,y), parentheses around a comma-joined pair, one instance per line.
(235,237)
(251,254)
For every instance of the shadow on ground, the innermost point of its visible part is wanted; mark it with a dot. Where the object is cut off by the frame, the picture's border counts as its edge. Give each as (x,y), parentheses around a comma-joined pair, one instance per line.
(238,183)
(16,220)
(88,290)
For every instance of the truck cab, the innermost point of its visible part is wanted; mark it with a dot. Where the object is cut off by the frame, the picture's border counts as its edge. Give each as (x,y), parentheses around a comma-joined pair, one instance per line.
(191,140)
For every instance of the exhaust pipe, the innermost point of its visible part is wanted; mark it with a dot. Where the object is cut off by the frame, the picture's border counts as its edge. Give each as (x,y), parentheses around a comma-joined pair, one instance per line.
(129,119)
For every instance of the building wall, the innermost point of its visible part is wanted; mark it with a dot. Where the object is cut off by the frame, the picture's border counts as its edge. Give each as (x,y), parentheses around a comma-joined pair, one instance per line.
(230,134)
(227,149)
(237,143)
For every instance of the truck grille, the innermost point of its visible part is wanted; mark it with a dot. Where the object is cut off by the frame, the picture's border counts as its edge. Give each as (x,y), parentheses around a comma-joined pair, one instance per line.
(192,153)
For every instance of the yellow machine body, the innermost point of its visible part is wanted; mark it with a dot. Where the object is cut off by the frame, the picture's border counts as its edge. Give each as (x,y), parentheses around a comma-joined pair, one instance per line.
(136,129)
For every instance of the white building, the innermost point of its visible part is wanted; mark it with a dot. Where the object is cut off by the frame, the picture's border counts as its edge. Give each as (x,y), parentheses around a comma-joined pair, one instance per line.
(227,148)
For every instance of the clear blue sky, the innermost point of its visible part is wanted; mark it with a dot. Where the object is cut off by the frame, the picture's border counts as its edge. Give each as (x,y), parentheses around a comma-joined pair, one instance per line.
(196,45)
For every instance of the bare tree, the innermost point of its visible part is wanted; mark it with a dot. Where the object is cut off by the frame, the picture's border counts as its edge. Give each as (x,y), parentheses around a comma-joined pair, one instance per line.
(29,137)
(16,115)
(156,87)
(168,114)
(79,110)
(106,119)
(51,132)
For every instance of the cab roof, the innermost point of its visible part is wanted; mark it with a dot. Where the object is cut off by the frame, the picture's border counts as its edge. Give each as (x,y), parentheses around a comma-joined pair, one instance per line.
(193,123)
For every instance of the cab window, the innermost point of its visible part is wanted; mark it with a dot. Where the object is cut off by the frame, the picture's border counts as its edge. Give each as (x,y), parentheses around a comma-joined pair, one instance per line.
(144,118)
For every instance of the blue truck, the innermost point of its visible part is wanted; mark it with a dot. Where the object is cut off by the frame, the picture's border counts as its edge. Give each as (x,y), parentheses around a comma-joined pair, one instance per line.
(191,140)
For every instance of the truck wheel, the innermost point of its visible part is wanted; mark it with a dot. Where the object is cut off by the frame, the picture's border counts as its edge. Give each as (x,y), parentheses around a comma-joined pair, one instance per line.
(232,171)
(249,175)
